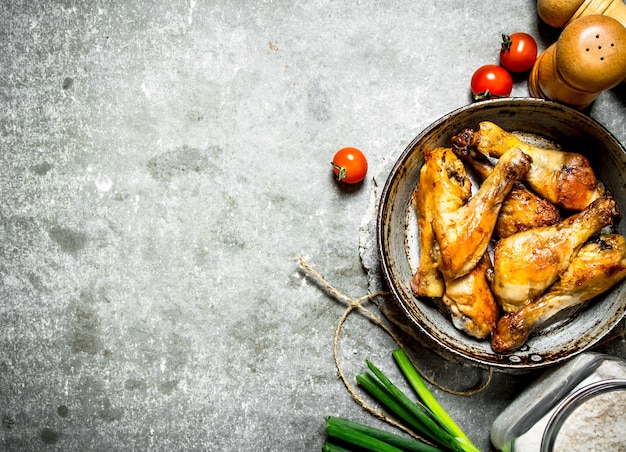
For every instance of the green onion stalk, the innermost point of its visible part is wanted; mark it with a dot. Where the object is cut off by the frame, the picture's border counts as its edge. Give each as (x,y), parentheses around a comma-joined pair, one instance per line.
(429,400)
(425,416)
(369,438)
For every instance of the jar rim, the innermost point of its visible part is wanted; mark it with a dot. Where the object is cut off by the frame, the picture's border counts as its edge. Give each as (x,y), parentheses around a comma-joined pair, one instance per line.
(573,401)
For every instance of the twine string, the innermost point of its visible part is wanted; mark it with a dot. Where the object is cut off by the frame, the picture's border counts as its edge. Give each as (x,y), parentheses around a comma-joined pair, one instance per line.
(357,305)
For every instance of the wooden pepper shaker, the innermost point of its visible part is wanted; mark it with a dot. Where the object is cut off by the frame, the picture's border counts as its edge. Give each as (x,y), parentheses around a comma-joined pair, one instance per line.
(588,58)
(558,13)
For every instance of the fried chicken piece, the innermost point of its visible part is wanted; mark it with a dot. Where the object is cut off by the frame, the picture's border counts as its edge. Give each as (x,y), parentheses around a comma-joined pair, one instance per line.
(443,186)
(471,303)
(465,233)
(566,179)
(527,263)
(521,209)
(596,268)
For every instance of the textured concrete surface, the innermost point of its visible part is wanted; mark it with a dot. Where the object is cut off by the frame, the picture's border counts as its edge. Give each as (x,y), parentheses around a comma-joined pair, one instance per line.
(162,164)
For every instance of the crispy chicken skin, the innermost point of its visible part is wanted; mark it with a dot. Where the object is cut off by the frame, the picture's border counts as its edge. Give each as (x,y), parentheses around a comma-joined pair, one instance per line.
(443,186)
(566,179)
(521,209)
(596,268)
(471,303)
(464,234)
(527,263)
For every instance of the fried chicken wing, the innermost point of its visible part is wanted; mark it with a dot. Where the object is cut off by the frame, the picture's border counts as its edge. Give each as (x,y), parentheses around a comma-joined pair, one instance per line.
(464,234)
(443,186)
(527,263)
(471,303)
(596,268)
(566,179)
(521,209)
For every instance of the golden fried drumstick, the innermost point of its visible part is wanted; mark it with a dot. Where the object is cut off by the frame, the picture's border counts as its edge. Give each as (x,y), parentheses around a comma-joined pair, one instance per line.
(464,234)
(443,186)
(471,303)
(522,209)
(566,179)
(527,263)
(596,268)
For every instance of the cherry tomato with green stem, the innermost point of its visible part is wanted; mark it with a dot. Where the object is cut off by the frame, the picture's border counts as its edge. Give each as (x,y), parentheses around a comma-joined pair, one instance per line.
(518,52)
(349,165)
(491,80)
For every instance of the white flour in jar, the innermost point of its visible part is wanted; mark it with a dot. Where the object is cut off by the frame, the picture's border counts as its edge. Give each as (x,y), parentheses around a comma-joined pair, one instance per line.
(596,426)
(586,432)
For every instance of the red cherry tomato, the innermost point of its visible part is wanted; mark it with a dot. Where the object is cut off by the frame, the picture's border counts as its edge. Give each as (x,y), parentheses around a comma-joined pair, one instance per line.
(518,52)
(491,80)
(349,165)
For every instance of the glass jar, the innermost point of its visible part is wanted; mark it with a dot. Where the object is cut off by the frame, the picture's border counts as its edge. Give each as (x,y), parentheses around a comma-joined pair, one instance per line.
(590,419)
(559,400)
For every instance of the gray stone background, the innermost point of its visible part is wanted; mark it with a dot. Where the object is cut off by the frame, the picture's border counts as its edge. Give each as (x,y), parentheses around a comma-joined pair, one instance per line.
(163,164)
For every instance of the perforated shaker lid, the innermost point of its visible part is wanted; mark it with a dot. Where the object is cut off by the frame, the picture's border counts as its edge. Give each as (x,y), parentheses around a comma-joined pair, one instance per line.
(591,53)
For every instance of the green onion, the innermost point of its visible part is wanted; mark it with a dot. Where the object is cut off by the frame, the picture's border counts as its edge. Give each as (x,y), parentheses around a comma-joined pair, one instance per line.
(429,400)
(425,416)
(382,394)
(401,442)
(331,447)
(431,428)
(357,438)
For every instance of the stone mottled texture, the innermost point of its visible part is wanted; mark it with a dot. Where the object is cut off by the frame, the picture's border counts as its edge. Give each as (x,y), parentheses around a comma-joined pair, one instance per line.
(162,164)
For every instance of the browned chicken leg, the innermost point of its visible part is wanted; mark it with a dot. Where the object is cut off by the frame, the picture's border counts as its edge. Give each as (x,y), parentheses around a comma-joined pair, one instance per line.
(443,186)
(596,268)
(521,209)
(471,303)
(527,263)
(566,179)
(465,233)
